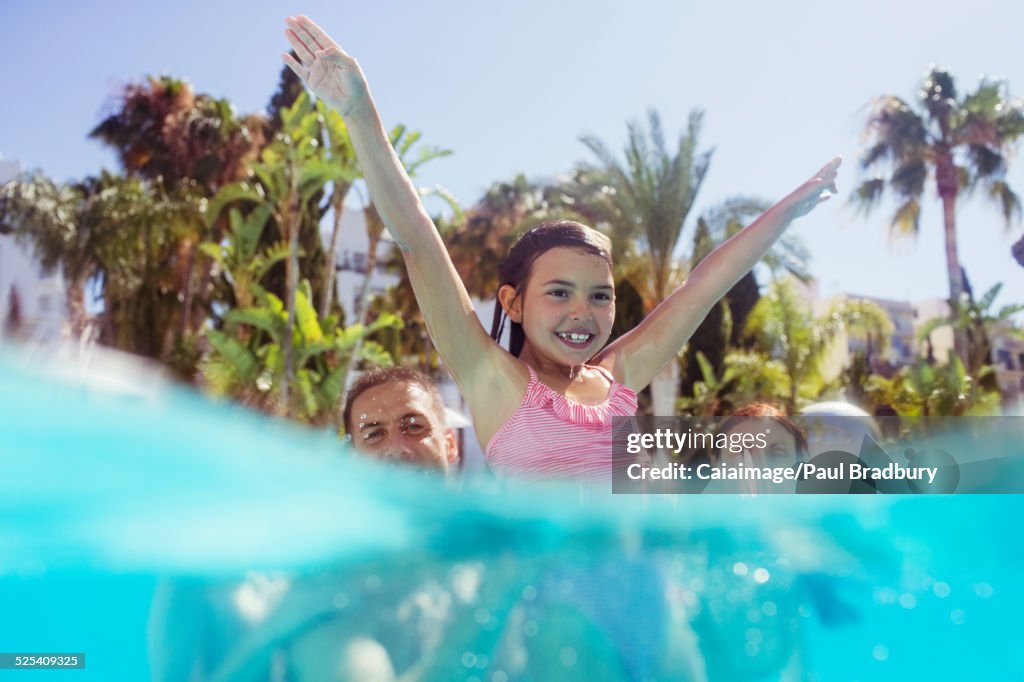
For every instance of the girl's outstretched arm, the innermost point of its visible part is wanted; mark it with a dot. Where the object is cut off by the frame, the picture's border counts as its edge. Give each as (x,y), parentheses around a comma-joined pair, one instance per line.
(638,356)
(335,77)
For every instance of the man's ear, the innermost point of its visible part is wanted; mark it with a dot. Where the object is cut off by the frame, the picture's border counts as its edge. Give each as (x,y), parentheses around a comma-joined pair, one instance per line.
(451,447)
(511,302)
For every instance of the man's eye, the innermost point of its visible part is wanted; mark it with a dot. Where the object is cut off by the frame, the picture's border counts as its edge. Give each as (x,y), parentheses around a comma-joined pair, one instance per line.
(415,429)
(374,436)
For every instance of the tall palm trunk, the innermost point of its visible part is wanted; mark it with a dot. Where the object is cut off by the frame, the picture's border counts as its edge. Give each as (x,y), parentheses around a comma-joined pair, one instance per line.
(75,304)
(291,285)
(338,204)
(947,185)
(185,327)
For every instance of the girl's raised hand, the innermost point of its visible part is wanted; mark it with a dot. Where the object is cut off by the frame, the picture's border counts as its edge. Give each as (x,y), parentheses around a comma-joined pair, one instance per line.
(816,190)
(326,69)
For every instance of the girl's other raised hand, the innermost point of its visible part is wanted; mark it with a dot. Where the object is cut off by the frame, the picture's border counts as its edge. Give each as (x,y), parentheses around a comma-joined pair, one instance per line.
(816,190)
(326,69)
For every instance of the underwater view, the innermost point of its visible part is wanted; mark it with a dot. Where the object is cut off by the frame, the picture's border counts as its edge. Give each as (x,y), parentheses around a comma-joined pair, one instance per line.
(167,537)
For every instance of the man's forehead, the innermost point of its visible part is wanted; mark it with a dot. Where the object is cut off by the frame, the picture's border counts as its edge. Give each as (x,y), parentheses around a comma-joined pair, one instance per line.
(393,400)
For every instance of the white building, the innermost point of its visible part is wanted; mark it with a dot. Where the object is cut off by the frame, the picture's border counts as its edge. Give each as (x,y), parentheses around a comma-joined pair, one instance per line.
(40,297)
(350,261)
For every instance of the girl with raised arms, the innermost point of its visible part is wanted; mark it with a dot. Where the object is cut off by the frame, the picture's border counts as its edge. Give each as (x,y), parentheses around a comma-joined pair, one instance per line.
(543,408)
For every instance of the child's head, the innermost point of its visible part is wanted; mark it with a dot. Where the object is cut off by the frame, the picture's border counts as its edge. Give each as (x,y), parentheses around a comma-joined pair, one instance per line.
(515,274)
(782,442)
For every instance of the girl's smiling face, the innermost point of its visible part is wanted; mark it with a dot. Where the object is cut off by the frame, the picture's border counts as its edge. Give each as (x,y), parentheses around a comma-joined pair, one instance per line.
(567,306)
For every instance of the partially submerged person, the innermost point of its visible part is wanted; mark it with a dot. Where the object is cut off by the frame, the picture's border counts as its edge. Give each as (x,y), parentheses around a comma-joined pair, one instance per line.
(544,408)
(760,438)
(778,441)
(397,415)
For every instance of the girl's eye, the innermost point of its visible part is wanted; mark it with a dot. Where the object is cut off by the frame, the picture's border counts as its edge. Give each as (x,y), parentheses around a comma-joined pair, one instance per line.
(602,297)
(558,293)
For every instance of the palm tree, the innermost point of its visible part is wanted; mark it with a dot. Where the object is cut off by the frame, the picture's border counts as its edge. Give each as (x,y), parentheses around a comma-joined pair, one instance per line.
(960,142)
(161,130)
(188,146)
(643,202)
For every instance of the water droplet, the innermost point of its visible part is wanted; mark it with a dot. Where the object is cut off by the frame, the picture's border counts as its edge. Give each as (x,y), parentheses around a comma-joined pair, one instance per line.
(983,590)
(880,653)
(751,649)
(372,582)
(499,676)
(769,608)
(529,593)
(482,616)
(761,575)
(957,616)
(567,656)
(739,568)
(340,600)
(886,596)
(363,416)
(468,659)
(941,590)
(907,600)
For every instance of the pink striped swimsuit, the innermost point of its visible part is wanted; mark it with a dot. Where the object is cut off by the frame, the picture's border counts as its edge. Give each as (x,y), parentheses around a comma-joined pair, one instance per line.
(550,436)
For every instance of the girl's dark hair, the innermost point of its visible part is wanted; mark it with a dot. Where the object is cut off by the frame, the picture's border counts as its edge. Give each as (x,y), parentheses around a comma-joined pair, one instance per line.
(515,269)
(762,410)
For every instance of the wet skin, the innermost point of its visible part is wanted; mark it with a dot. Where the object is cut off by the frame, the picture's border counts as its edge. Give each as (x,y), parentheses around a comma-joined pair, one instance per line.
(399,422)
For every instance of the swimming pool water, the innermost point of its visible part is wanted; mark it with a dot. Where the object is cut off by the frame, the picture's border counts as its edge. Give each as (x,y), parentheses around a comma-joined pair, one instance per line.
(157,531)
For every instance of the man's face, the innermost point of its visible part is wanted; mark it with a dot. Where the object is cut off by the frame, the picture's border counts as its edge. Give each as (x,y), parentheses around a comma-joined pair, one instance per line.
(398,421)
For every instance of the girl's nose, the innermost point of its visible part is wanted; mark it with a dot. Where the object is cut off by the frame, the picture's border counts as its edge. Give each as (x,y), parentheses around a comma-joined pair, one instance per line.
(580,312)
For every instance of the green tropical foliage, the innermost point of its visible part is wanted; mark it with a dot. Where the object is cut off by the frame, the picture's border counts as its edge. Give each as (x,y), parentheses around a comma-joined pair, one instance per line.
(785,327)
(923,390)
(290,172)
(204,252)
(979,319)
(248,360)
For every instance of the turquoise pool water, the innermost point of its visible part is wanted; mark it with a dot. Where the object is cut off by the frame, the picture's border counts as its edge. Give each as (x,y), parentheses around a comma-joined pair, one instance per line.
(159,533)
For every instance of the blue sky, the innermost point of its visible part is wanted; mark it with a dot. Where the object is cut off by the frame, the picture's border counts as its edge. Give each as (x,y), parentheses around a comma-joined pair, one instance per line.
(510,87)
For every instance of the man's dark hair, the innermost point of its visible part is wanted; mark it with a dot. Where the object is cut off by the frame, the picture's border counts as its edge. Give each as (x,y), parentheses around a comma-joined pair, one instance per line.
(390,375)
